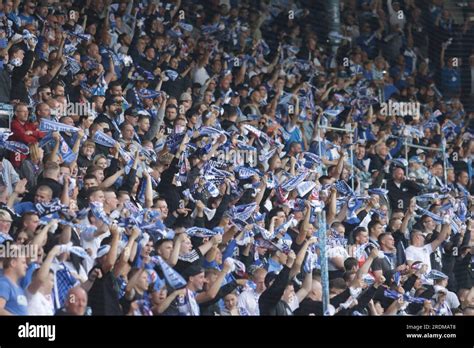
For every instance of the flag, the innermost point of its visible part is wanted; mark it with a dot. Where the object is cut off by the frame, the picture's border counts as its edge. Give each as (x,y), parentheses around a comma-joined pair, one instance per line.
(305,187)
(54,206)
(312,158)
(173,278)
(210,29)
(291,183)
(145,93)
(283,245)
(13,146)
(343,188)
(247,172)
(103,139)
(243,212)
(185,26)
(310,262)
(172,75)
(263,232)
(97,209)
(211,188)
(65,152)
(266,155)
(51,126)
(254,130)
(437,219)
(427,197)
(236,266)
(201,232)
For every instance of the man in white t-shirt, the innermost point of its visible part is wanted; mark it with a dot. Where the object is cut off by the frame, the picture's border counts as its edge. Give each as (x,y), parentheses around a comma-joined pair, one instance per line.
(419,251)
(248,299)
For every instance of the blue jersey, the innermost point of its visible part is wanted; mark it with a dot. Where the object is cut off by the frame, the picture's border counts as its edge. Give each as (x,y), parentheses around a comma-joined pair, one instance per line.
(14,296)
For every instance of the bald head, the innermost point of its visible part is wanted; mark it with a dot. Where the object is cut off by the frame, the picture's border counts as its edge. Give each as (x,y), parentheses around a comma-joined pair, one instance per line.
(76,301)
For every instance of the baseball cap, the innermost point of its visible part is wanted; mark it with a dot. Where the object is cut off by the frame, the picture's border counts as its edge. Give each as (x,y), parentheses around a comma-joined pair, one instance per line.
(131,112)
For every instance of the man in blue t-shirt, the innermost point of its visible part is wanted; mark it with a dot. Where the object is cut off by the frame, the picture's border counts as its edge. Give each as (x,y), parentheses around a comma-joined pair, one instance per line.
(450,75)
(12,297)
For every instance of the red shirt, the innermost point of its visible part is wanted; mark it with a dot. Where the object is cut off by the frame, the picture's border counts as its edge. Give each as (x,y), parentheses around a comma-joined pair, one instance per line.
(19,134)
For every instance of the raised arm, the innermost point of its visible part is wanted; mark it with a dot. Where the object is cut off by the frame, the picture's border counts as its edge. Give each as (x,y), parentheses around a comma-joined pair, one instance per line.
(125,256)
(40,239)
(148,190)
(41,277)
(111,179)
(296,268)
(301,237)
(364,269)
(216,240)
(173,260)
(20,188)
(213,290)
(306,288)
(167,302)
(331,213)
(112,254)
(54,153)
(445,229)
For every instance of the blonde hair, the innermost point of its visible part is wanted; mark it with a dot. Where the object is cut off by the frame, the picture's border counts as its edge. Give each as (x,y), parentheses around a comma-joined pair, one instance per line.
(97,158)
(35,153)
(4,215)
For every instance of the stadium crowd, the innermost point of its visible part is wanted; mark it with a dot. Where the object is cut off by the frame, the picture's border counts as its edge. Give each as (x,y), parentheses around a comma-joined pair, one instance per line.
(208,157)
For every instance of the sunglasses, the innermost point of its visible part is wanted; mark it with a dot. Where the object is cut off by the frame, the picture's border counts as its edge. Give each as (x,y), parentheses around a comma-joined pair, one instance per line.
(106,130)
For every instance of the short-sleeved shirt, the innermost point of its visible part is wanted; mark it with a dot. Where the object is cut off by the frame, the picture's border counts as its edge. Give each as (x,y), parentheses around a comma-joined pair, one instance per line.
(334,252)
(15,297)
(422,254)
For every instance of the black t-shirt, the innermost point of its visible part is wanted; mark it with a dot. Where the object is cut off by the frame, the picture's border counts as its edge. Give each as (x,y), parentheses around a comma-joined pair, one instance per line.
(103,296)
(295,247)
(309,306)
(194,257)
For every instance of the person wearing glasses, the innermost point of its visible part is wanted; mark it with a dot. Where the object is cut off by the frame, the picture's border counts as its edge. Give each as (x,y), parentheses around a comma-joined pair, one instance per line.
(27,16)
(43,94)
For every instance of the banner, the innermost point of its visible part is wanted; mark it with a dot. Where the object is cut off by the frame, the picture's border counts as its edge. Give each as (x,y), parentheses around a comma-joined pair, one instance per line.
(51,126)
